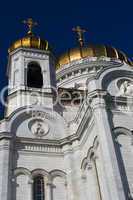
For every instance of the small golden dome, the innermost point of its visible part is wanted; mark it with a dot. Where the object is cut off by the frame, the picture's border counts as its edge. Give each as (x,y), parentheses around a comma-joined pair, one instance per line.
(30,41)
(91,51)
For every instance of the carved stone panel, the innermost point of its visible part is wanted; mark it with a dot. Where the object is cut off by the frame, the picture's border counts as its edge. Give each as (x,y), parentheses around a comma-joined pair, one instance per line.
(38,127)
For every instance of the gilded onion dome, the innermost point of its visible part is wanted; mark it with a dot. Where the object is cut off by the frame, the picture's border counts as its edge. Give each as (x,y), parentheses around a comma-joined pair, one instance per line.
(30,41)
(89,51)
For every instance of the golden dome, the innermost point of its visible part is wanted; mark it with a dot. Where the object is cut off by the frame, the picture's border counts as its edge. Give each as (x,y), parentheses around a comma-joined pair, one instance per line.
(91,51)
(30,41)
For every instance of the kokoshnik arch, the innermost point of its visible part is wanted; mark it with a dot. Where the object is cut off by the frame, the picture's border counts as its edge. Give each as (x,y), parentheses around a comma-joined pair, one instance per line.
(68,150)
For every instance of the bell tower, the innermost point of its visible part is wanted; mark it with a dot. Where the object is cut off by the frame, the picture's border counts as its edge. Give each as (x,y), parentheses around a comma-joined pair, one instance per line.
(30,72)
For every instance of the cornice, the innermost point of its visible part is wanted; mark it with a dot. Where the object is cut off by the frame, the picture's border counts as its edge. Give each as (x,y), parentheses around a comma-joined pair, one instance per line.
(30,50)
(94,65)
(28,91)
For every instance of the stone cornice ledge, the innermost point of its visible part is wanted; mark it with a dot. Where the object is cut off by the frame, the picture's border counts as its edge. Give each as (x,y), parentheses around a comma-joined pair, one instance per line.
(97,94)
(5,135)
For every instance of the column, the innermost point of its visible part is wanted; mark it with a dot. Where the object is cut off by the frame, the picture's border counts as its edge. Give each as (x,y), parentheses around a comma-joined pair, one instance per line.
(48,192)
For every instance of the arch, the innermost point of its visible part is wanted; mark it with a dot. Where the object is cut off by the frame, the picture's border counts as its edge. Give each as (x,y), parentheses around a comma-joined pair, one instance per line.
(22,171)
(122,130)
(122,142)
(21,182)
(106,75)
(112,75)
(41,172)
(34,75)
(90,173)
(59,185)
(92,150)
(87,161)
(56,173)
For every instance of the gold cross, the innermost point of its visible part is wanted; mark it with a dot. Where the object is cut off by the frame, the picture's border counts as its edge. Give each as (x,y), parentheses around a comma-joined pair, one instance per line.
(80,35)
(30,23)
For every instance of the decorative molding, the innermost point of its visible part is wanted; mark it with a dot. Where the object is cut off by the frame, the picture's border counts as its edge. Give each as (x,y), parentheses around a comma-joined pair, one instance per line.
(22,171)
(48,175)
(31,52)
(91,155)
(56,173)
(122,131)
(86,68)
(34,147)
(25,90)
(42,172)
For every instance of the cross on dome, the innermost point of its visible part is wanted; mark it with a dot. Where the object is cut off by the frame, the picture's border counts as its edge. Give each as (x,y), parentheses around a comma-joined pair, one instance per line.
(80,35)
(30,23)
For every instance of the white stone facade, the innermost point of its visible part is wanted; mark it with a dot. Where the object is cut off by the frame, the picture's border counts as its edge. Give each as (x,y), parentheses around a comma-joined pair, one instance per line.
(84,152)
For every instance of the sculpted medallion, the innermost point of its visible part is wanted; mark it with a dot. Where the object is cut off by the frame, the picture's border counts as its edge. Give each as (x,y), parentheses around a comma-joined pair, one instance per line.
(38,127)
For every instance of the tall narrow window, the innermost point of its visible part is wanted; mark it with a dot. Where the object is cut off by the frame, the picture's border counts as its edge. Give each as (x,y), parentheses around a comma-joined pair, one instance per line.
(125,159)
(34,75)
(38,188)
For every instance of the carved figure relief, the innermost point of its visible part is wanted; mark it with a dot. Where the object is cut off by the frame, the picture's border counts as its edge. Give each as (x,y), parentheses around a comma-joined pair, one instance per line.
(38,127)
(126,88)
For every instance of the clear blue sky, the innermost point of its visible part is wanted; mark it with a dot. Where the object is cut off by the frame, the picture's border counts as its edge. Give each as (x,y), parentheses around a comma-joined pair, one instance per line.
(107,22)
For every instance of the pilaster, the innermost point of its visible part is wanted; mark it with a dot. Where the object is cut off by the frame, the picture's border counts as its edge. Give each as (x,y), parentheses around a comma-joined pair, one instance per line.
(5,168)
(68,157)
(112,177)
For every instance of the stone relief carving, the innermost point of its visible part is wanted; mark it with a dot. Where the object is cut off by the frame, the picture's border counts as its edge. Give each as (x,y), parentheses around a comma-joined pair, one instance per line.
(126,88)
(38,127)
(43,115)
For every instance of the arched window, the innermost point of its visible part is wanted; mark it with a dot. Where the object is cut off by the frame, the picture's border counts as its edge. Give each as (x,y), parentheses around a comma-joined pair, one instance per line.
(92,173)
(34,75)
(38,188)
(124,155)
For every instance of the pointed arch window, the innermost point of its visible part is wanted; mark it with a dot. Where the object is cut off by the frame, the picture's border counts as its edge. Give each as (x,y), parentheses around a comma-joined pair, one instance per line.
(38,188)
(34,75)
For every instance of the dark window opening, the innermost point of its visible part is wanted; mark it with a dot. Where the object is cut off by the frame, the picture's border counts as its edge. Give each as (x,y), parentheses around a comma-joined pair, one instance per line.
(34,76)
(38,188)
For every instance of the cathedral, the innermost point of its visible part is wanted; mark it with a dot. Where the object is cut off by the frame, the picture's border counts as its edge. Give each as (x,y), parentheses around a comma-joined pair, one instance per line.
(67,131)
